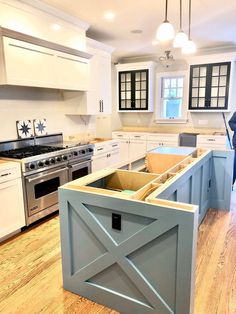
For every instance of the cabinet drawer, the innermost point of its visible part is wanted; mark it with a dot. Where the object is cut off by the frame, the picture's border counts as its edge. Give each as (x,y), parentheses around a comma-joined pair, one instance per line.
(120,135)
(137,136)
(9,173)
(163,137)
(212,139)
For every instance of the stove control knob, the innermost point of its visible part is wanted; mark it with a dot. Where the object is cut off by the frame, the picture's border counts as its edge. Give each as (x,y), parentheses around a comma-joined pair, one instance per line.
(75,153)
(58,159)
(64,157)
(47,163)
(52,161)
(82,151)
(31,166)
(90,150)
(40,164)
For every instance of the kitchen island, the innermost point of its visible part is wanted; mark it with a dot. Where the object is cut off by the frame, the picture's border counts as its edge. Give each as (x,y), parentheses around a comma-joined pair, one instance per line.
(129,238)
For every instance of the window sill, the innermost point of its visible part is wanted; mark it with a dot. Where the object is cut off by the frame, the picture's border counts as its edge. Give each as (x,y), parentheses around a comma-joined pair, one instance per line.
(171,121)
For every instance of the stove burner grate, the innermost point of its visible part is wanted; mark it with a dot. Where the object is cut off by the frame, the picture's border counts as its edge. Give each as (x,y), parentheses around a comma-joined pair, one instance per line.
(29,151)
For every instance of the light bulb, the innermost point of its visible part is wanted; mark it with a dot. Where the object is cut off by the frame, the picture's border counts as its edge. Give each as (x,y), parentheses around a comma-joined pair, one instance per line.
(165,32)
(189,47)
(180,40)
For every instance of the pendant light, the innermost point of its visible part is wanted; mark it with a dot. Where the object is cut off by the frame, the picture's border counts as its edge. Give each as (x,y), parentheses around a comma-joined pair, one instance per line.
(189,46)
(181,38)
(165,31)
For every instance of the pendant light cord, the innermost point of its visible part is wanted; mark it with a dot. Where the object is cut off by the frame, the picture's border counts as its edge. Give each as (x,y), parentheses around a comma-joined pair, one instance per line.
(189,19)
(166,11)
(180,15)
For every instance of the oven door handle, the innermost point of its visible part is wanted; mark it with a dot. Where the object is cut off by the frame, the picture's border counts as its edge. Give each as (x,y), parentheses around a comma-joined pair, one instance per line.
(80,164)
(37,177)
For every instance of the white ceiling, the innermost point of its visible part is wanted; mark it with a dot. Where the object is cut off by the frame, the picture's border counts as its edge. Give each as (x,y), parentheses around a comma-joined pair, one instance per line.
(213,23)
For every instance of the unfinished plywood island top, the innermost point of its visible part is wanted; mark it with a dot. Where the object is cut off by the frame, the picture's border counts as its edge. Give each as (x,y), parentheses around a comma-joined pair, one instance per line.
(128,238)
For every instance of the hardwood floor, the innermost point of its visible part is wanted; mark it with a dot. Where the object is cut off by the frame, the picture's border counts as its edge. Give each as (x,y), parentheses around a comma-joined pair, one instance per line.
(31,282)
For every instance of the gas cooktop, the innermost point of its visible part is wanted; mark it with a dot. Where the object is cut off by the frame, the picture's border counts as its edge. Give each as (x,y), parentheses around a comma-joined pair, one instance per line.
(24,152)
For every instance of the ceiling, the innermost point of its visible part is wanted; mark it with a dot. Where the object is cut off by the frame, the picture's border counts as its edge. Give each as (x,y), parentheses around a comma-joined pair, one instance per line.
(213,23)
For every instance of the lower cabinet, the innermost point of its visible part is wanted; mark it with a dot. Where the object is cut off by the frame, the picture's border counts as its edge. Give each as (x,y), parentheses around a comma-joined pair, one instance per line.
(106,160)
(12,216)
(213,141)
(162,139)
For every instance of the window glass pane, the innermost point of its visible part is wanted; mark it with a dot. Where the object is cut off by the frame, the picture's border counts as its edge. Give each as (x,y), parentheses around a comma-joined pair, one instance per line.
(137,103)
(215,81)
(214,102)
(223,70)
(203,71)
(122,86)
(194,102)
(172,108)
(128,77)
(180,92)
(137,95)
(128,95)
(143,85)
(214,91)
(221,102)
(143,95)
(173,82)
(201,102)
(196,72)
(137,85)
(128,104)
(202,81)
(166,93)
(122,77)
(122,95)
(137,76)
(202,92)
(216,70)
(222,91)
(128,86)
(194,92)
(143,76)
(123,104)
(166,82)
(180,82)
(143,103)
(223,81)
(195,82)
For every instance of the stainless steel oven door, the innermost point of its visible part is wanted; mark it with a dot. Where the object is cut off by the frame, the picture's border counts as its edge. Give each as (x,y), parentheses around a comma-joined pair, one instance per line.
(79,169)
(41,189)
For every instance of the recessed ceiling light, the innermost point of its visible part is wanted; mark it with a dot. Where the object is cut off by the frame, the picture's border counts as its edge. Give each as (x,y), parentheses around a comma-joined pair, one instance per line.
(136,31)
(56,27)
(155,42)
(109,16)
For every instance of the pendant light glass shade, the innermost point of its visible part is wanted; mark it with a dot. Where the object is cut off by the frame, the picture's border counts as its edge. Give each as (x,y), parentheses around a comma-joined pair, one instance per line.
(189,47)
(165,32)
(180,40)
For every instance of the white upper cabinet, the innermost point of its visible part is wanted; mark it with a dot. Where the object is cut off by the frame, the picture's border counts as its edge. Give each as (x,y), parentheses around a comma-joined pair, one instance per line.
(38,63)
(97,100)
(72,72)
(27,64)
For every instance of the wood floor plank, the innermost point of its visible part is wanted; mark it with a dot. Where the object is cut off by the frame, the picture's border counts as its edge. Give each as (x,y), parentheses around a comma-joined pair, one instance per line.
(31,275)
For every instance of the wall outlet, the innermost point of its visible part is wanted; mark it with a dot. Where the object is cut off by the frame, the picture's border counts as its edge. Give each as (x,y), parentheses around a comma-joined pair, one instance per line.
(203,122)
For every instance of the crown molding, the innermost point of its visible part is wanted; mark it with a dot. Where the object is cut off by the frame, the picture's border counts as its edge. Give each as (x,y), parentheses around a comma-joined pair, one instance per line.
(48,9)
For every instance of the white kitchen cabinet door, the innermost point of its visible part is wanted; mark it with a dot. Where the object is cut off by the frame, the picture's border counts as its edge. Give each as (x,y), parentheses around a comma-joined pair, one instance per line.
(27,64)
(12,216)
(124,150)
(72,72)
(153,145)
(99,162)
(114,157)
(137,148)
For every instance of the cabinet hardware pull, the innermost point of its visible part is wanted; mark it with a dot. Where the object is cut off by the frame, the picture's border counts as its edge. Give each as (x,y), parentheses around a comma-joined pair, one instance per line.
(114,145)
(30,49)
(102,106)
(100,148)
(6,174)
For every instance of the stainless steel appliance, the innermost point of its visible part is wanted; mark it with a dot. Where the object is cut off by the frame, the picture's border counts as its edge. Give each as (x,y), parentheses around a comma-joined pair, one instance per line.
(47,163)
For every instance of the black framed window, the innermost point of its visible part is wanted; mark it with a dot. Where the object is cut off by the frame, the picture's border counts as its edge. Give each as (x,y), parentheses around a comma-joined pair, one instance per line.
(209,86)
(133,90)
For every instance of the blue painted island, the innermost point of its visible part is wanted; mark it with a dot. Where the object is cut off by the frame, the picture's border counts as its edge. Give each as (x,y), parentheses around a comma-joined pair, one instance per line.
(128,238)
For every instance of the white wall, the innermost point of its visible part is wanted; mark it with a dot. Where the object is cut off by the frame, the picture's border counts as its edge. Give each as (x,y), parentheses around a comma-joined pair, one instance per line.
(19,103)
(195,120)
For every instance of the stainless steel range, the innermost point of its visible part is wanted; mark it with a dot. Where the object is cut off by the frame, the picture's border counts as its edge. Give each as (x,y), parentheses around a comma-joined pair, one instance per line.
(47,163)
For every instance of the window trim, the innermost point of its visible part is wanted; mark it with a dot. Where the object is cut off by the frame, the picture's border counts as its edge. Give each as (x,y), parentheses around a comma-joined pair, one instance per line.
(159,99)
